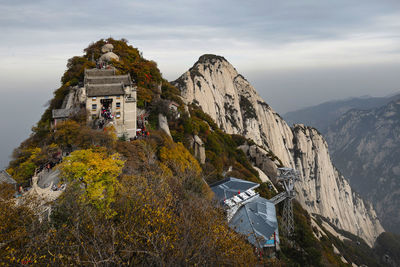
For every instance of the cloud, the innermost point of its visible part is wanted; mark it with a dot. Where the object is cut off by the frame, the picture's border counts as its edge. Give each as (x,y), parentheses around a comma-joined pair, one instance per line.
(253,35)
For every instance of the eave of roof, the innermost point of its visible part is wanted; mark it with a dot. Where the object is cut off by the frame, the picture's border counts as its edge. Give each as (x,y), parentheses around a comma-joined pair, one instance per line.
(5,177)
(125,79)
(104,89)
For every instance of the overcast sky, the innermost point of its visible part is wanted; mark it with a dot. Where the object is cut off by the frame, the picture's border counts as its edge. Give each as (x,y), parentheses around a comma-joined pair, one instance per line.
(295,52)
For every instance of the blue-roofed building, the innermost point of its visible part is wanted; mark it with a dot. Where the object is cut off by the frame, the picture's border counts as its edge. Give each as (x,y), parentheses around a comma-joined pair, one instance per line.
(247,212)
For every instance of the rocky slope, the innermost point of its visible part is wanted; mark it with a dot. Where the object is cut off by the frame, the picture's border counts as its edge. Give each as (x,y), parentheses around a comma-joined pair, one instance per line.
(215,85)
(365,146)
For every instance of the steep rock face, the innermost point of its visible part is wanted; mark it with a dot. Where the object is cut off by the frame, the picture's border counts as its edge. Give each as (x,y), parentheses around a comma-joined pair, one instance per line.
(325,191)
(215,85)
(365,145)
(261,160)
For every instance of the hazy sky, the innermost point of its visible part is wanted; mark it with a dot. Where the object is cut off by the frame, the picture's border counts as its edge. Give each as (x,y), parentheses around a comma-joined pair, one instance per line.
(295,52)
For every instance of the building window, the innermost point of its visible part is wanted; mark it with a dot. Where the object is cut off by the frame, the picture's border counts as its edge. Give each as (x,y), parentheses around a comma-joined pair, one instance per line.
(94,106)
(106,97)
(118,97)
(118,115)
(118,104)
(94,98)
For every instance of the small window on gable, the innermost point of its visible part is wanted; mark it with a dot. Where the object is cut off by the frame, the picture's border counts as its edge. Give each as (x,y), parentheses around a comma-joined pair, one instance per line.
(118,104)
(94,98)
(94,106)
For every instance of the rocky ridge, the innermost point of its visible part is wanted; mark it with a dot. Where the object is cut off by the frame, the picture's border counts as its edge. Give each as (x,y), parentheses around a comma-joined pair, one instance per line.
(323,115)
(215,85)
(365,145)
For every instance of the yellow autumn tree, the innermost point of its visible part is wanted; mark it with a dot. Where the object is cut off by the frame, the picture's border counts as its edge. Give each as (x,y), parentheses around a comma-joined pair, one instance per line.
(146,210)
(29,161)
(98,172)
(176,160)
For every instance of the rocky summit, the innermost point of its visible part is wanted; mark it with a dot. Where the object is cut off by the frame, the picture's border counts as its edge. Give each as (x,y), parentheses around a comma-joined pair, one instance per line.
(216,86)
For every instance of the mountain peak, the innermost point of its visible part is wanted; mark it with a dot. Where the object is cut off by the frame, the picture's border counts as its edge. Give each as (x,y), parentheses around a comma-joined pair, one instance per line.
(233,103)
(210,58)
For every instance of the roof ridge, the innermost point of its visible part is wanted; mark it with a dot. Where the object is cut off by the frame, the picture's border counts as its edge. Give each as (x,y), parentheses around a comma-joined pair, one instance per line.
(104,84)
(109,76)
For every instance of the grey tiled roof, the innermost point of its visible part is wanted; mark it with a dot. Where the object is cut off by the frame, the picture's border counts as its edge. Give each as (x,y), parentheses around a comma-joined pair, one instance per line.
(104,89)
(6,178)
(230,187)
(124,79)
(61,113)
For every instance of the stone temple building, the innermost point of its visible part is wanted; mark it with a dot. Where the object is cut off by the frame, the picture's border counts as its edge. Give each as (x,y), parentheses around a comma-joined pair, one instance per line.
(116,94)
(109,99)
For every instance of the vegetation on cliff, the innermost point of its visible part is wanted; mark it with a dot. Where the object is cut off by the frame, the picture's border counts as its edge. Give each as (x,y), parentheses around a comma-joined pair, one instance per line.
(129,203)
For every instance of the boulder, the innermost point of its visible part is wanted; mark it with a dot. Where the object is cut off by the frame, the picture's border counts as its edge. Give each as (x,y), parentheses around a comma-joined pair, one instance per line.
(198,147)
(163,124)
(107,48)
(109,56)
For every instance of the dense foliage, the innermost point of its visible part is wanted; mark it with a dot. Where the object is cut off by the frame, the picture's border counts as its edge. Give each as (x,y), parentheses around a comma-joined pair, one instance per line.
(158,218)
(221,149)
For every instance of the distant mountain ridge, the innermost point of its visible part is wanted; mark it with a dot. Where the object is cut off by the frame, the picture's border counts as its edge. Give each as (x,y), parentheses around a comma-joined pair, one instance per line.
(365,146)
(324,114)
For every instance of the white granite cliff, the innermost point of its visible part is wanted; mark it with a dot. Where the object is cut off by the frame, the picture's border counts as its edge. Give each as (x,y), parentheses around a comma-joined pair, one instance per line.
(215,85)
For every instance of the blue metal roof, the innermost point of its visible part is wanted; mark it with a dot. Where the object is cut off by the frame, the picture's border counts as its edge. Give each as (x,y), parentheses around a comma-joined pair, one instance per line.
(255,217)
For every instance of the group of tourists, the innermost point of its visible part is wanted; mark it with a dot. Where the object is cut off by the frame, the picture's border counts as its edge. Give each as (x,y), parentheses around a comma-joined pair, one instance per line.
(102,65)
(59,187)
(49,165)
(142,133)
(106,113)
